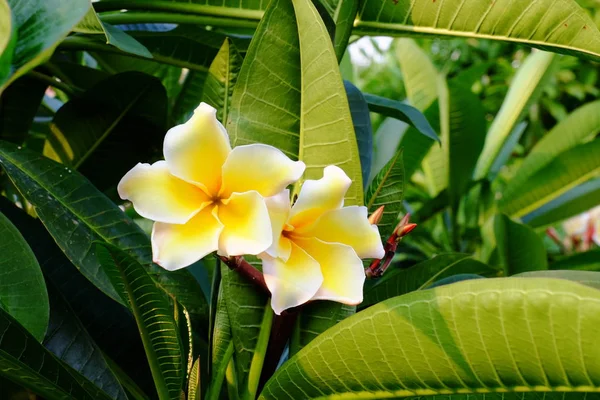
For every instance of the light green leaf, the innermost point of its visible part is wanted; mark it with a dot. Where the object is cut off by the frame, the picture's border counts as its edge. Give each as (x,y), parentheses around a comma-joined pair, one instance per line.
(387,189)
(22,288)
(27,363)
(76,214)
(566,171)
(221,79)
(398,281)
(91,24)
(40,26)
(154,317)
(419,73)
(195,383)
(525,89)
(580,126)
(480,336)
(588,278)
(562,26)
(520,249)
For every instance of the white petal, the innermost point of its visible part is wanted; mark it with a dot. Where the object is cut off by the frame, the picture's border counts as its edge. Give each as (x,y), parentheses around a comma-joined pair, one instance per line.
(349,226)
(259,167)
(279,209)
(343,271)
(160,196)
(319,196)
(176,246)
(195,151)
(247,227)
(294,282)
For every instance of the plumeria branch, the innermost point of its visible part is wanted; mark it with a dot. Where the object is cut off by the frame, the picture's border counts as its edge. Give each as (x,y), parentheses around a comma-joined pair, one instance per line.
(378,267)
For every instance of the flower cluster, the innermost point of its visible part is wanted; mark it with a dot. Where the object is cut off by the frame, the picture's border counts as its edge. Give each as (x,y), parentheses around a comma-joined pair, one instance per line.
(207,197)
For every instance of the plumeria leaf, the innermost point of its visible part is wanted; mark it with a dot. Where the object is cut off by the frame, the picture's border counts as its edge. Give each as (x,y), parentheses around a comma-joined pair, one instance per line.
(587,261)
(77,214)
(154,316)
(387,189)
(464,332)
(22,288)
(519,247)
(361,119)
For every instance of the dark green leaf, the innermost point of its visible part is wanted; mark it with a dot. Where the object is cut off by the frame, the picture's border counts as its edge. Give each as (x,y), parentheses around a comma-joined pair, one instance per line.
(402,112)
(22,289)
(362,128)
(415,144)
(519,247)
(19,104)
(153,314)
(587,261)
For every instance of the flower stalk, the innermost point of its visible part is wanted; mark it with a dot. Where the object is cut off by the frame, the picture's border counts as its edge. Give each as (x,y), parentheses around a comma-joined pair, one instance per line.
(245,269)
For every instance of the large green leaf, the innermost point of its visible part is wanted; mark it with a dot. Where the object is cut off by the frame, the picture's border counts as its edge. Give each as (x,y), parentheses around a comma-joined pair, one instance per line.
(563,27)
(77,214)
(68,339)
(387,189)
(221,79)
(26,362)
(40,25)
(566,171)
(520,249)
(399,281)
(91,24)
(22,288)
(479,336)
(587,261)
(525,89)
(588,278)
(580,126)
(101,131)
(154,316)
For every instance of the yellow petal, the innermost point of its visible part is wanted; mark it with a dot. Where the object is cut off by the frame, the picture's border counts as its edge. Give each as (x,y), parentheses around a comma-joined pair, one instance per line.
(247,228)
(160,196)
(259,167)
(293,282)
(319,196)
(279,209)
(343,271)
(349,226)
(176,246)
(195,151)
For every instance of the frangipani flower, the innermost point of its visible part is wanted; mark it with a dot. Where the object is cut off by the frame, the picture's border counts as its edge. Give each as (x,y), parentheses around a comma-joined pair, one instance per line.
(205,196)
(318,245)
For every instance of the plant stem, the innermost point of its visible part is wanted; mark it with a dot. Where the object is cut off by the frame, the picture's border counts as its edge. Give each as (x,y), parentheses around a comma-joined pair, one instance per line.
(66,89)
(248,271)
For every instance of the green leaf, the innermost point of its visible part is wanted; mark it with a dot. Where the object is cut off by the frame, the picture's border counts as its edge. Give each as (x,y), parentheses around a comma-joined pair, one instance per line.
(415,144)
(525,89)
(467,338)
(564,28)
(40,26)
(419,73)
(588,278)
(19,104)
(27,363)
(580,126)
(343,16)
(520,249)
(575,201)
(400,281)
(566,171)
(587,261)
(100,131)
(22,288)
(221,79)
(70,342)
(387,189)
(76,214)
(8,38)
(153,314)
(91,24)
(77,75)
(195,384)
(403,112)
(190,95)
(361,119)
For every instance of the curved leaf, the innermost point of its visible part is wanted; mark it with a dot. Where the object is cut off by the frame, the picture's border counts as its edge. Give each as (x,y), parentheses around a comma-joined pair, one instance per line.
(22,288)
(525,89)
(387,189)
(520,249)
(361,119)
(153,314)
(40,25)
(27,363)
(560,26)
(473,337)
(566,171)
(588,278)
(76,214)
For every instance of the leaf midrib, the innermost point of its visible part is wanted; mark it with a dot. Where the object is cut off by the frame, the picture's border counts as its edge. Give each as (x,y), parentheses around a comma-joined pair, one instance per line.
(383,180)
